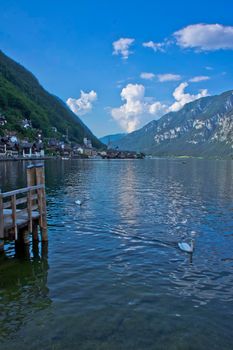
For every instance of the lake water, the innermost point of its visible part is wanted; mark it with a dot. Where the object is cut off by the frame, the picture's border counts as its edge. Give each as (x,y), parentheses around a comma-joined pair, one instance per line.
(112,276)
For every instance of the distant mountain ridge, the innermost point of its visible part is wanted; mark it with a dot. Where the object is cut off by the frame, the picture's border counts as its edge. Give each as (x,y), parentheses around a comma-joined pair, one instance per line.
(201,128)
(109,139)
(22,97)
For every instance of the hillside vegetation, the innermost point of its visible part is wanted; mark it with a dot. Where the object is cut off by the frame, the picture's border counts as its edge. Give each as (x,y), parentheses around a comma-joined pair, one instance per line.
(21,96)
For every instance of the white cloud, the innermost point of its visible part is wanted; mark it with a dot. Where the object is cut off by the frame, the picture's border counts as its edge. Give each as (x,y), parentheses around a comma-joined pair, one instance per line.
(155,46)
(161,77)
(182,98)
(209,68)
(205,37)
(168,77)
(136,109)
(83,104)
(147,76)
(122,47)
(199,78)
(157,109)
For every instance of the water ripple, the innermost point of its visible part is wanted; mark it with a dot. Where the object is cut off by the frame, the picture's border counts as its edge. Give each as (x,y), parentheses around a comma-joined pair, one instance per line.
(114,270)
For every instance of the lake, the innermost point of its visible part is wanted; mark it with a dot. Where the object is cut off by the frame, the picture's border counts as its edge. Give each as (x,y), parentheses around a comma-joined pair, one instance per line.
(112,276)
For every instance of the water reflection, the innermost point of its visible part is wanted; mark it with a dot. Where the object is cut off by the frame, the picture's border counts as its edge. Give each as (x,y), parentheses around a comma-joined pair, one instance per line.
(116,274)
(23,287)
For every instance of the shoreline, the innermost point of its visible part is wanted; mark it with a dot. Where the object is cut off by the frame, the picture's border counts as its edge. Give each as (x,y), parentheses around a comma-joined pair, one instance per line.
(19,159)
(184,158)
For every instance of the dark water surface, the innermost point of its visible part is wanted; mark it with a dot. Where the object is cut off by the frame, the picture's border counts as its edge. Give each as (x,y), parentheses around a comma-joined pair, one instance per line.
(113,277)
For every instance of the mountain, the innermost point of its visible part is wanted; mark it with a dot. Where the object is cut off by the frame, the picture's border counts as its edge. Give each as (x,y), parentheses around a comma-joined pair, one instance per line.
(201,128)
(22,97)
(111,138)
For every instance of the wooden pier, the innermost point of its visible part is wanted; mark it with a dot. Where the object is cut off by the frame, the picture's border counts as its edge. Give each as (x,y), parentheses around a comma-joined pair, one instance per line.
(23,210)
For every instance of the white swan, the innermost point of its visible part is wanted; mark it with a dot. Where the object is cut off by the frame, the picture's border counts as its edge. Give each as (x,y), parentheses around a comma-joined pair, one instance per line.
(185,247)
(78,202)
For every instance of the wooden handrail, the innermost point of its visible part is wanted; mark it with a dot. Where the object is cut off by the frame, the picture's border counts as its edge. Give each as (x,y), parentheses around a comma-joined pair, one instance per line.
(22,200)
(21,190)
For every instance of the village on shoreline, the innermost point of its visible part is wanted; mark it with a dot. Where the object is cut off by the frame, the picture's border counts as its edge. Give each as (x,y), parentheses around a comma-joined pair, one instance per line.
(13,147)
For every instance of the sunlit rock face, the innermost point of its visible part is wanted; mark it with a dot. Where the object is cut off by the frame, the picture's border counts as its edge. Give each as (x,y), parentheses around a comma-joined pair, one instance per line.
(201,128)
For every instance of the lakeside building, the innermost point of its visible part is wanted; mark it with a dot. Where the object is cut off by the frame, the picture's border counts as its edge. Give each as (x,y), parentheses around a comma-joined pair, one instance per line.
(12,147)
(87,143)
(3,120)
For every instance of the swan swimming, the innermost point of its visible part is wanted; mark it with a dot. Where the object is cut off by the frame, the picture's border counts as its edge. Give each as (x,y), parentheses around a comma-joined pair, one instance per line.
(185,247)
(78,202)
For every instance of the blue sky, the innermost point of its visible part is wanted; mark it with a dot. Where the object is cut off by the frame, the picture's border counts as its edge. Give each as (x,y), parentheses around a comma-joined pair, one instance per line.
(68,45)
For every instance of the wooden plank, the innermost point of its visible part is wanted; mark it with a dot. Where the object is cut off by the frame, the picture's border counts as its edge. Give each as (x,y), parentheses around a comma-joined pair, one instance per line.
(1,218)
(8,212)
(18,201)
(22,220)
(22,200)
(6,205)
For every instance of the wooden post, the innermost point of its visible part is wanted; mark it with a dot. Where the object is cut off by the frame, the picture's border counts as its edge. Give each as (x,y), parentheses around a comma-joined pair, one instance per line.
(31,181)
(1,223)
(29,209)
(44,250)
(22,246)
(31,175)
(40,180)
(1,245)
(14,216)
(35,231)
(25,236)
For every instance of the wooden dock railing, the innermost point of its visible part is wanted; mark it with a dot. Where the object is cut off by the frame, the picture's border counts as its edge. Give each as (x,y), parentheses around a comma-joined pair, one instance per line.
(22,210)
